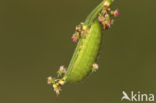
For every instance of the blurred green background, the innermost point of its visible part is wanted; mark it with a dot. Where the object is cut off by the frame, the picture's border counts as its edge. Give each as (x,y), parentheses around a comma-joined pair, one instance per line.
(35,39)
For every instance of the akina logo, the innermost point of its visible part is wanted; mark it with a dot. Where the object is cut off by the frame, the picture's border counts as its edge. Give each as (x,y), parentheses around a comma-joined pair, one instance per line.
(137,97)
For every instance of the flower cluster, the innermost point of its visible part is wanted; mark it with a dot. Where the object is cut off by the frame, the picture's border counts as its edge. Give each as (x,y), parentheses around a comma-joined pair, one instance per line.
(105,17)
(57,83)
(79,30)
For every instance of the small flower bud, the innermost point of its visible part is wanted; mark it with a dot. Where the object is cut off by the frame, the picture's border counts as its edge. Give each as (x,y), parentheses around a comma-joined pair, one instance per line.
(108,24)
(61,82)
(84,27)
(116,13)
(95,66)
(101,18)
(62,69)
(78,28)
(106,4)
(55,86)
(50,80)
(74,38)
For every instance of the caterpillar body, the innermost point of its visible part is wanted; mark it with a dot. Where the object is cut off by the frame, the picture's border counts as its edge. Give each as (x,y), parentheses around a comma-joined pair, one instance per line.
(86,54)
(89,36)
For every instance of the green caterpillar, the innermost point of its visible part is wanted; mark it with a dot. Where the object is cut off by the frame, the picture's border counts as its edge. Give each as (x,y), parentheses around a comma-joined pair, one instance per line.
(89,36)
(86,54)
